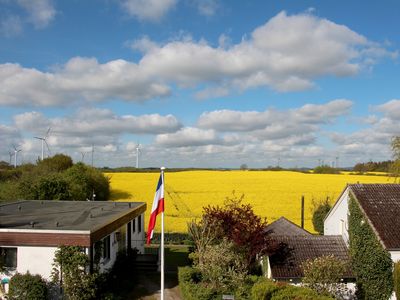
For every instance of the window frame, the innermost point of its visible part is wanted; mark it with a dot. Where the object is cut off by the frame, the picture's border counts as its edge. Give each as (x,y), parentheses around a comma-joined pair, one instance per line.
(5,249)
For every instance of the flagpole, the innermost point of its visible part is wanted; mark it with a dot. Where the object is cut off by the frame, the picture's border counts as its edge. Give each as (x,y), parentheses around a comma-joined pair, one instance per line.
(162,240)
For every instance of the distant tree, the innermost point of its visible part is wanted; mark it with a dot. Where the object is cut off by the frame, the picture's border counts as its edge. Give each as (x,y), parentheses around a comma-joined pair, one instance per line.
(56,163)
(395,166)
(244,167)
(325,169)
(320,210)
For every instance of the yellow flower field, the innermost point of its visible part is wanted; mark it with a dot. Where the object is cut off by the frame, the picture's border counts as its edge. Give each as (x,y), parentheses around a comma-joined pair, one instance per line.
(272,194)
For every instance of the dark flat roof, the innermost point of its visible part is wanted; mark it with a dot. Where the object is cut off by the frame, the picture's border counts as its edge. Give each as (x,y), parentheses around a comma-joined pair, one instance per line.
(65,215)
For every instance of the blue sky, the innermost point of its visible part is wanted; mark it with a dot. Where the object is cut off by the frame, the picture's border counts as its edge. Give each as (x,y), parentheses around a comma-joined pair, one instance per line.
(200,83)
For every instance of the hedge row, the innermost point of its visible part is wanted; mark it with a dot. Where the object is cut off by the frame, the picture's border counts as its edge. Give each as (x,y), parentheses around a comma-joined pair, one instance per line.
(263,289)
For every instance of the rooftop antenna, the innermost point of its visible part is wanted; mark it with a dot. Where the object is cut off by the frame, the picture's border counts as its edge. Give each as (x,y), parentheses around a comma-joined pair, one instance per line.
(137,155)
(43,139)
(15,155)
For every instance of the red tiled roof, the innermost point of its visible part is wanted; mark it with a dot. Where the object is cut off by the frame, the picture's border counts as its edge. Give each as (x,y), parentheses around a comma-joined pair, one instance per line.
(283,226)
(302,248)
(381,204)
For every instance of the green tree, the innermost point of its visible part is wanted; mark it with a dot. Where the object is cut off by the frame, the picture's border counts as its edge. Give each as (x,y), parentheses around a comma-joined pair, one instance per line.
(321,209)
(84,181)
(325,169)
(70,271)
(56,163)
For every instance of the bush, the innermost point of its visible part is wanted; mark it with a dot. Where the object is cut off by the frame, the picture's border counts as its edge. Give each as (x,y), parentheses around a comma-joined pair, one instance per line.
(27,287)
(264,289)
(298,293)
(191,286)
(323,274)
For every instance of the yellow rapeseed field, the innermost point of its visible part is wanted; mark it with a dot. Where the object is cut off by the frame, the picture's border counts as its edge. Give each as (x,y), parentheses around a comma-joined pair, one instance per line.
(272,194)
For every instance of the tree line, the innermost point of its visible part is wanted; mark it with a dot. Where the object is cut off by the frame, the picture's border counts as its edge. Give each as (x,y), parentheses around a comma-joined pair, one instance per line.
(53,178)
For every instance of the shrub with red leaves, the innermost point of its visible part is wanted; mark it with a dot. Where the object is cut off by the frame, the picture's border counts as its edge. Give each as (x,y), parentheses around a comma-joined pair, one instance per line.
(239,223)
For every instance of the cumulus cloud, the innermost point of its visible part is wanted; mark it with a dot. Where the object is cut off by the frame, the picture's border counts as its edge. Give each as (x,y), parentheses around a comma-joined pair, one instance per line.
(93,121)
(148,10)
(188,136)
(287,53)
(80,79)
(374,140)
(229,120)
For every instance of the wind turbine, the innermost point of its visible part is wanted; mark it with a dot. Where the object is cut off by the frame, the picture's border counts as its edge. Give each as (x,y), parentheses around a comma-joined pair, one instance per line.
(43,139)
(15,155)
(137,155)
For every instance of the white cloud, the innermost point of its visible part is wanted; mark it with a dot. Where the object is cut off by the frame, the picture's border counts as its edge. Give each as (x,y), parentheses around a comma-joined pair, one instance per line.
(80,79)
(390,109)
(288,53)
(92,121)
(41,12)
(229,120)
(188,136)
(148,10)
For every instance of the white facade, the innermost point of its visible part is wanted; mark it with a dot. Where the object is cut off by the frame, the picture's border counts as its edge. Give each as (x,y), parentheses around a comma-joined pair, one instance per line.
(336,222)
(39,259)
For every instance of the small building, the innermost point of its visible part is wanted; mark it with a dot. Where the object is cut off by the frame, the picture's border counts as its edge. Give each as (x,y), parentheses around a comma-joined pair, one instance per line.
(31,231)
(298,246)
(380,204)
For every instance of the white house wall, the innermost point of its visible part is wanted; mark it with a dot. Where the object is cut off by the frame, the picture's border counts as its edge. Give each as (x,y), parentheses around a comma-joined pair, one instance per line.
(36,260)
(336,223)
(137,238)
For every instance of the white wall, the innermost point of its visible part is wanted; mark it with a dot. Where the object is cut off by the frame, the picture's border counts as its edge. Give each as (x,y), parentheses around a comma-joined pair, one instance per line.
(137,238)
(36,260)
(336,223)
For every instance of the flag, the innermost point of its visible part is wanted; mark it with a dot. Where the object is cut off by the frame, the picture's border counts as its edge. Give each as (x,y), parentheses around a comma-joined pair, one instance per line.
(157,208)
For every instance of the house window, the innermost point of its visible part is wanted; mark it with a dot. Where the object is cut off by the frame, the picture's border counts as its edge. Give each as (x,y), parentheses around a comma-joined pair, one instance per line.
(134,225)
(106,247)
(139,225)
(8,257)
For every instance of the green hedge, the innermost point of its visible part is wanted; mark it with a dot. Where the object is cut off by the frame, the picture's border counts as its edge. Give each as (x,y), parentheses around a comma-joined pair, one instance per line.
(371,263)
